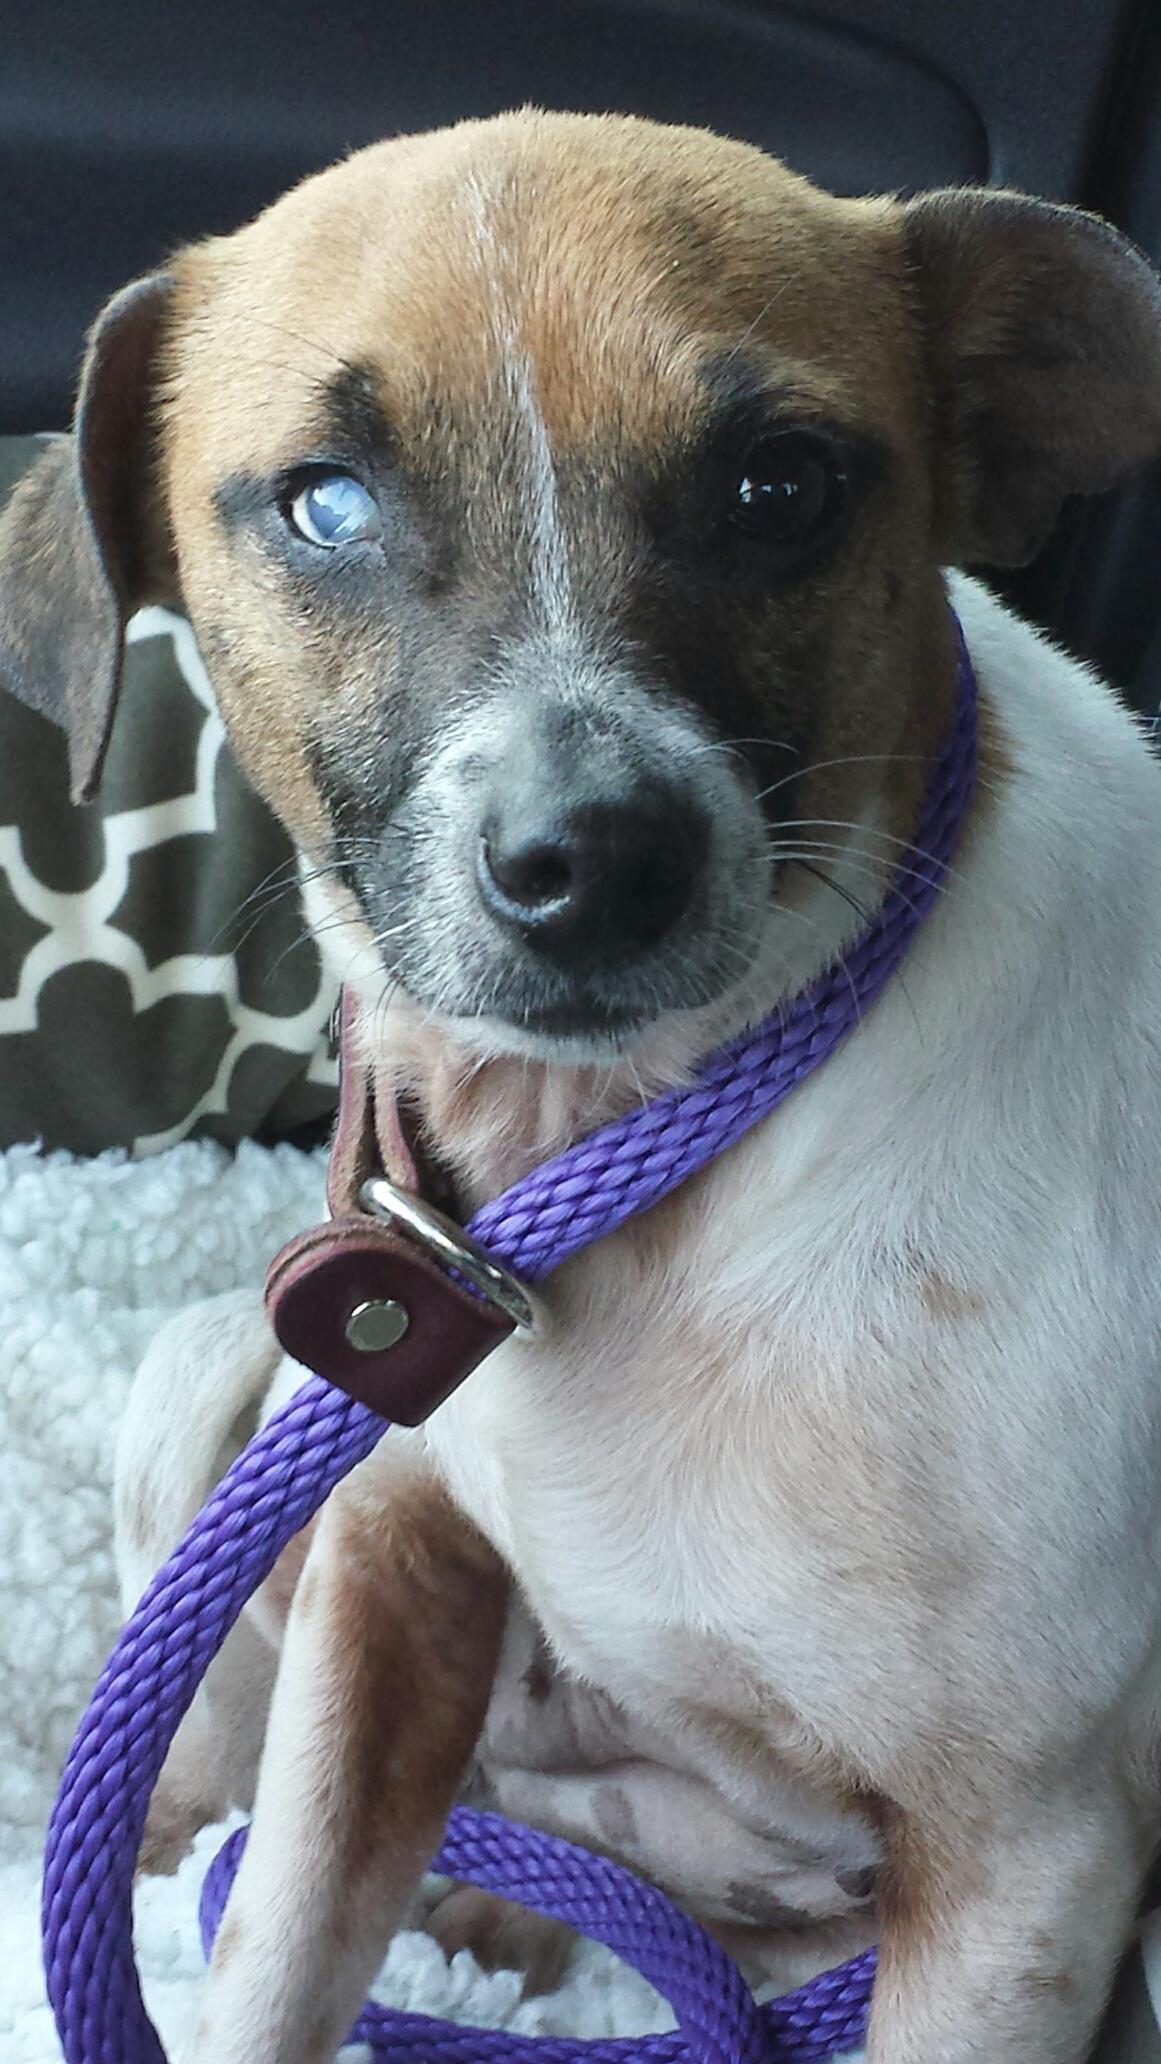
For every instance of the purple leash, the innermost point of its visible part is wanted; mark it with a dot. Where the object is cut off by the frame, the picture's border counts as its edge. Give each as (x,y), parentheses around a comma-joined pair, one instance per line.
(289,1469)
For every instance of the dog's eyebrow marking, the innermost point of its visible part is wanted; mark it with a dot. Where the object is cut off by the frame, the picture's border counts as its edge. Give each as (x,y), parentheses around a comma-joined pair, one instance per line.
(737,391)
(732,380)
(744,401)
(351,417)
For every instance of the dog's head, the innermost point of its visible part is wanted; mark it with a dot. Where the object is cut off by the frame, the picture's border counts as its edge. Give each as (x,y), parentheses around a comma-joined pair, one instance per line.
(560,505)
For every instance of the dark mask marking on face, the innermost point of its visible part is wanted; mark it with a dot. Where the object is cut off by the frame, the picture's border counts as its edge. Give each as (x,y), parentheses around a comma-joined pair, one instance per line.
(351,419)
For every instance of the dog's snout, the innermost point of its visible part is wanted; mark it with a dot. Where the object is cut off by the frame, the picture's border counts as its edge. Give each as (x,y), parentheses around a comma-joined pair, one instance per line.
(601,881)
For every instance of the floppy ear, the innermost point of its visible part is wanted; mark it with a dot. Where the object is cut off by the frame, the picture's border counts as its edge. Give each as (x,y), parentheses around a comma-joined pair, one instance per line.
(79,549)
(1043,333)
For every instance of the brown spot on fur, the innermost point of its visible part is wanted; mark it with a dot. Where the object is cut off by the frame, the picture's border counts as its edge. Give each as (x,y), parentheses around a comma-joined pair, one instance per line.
(928,1872)
(1059,1982)
(947,1301)
(415,1604)
(904,1877)
(272,1602)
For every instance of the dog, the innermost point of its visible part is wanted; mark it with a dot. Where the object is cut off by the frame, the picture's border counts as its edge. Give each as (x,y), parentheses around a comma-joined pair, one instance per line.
(567,509)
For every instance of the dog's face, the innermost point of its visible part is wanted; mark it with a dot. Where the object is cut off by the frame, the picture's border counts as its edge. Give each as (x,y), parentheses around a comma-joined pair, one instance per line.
(575,523)
(560,503)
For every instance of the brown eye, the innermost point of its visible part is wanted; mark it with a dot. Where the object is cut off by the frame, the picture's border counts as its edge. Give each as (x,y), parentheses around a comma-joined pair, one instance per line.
(792,488)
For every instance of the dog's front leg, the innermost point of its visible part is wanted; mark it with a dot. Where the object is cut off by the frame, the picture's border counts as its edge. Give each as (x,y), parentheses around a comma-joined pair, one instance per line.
(383,1684)
(999,1944)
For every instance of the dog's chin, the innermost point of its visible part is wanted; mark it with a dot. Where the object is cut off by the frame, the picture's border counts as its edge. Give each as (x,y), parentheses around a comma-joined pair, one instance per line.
(654,1032)
(655,1025)
(662,1038)
(573,1037)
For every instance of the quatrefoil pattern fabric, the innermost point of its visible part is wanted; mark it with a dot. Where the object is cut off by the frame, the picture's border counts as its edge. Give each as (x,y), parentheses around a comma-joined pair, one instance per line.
(156,979)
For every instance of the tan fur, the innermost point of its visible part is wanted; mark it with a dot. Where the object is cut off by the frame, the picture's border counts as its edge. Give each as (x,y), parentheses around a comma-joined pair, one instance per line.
(443,1636)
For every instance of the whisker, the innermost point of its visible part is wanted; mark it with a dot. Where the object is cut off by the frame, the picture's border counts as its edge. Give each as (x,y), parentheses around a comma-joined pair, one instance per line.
(845,760)
(839,959)
(283,366)
(860,909)
(864,760)
(729,745)
(635,1078)
(748,332)
(822,849)
(865,915)
(326,351)
(870,831)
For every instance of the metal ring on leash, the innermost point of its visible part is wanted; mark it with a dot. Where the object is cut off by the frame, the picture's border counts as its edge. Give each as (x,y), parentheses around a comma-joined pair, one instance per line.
(452,1245)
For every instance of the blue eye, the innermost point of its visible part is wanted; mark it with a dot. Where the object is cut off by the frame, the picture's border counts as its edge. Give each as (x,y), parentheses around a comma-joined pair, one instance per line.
(333,509)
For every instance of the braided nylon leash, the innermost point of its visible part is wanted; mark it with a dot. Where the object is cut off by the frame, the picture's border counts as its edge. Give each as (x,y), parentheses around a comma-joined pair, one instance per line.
(291,1466)
(716,2013)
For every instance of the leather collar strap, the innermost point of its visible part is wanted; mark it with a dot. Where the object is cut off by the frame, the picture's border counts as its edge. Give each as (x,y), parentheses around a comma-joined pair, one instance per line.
(355,1268)
(365,1304)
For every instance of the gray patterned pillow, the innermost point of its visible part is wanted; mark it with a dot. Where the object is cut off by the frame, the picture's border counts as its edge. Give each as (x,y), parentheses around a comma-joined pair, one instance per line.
(155,976)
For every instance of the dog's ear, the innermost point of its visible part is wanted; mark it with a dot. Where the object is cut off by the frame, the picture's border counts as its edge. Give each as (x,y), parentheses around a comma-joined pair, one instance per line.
(79,544)
(1043,335)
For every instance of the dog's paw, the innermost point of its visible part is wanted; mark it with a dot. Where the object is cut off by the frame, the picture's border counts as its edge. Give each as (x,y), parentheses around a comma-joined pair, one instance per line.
(501,1936)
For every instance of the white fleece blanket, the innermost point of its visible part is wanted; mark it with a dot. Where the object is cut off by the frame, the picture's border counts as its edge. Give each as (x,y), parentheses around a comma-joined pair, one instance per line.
(93,1257)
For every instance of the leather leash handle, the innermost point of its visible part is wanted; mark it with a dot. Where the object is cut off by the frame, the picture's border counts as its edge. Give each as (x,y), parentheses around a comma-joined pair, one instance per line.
(324,1282)
(360,1302)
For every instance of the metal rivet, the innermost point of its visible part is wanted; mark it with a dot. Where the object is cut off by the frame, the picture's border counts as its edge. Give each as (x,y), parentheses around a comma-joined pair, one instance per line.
(373,1327)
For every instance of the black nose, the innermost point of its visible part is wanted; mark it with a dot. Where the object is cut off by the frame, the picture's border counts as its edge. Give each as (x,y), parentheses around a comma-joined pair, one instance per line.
(603,881)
